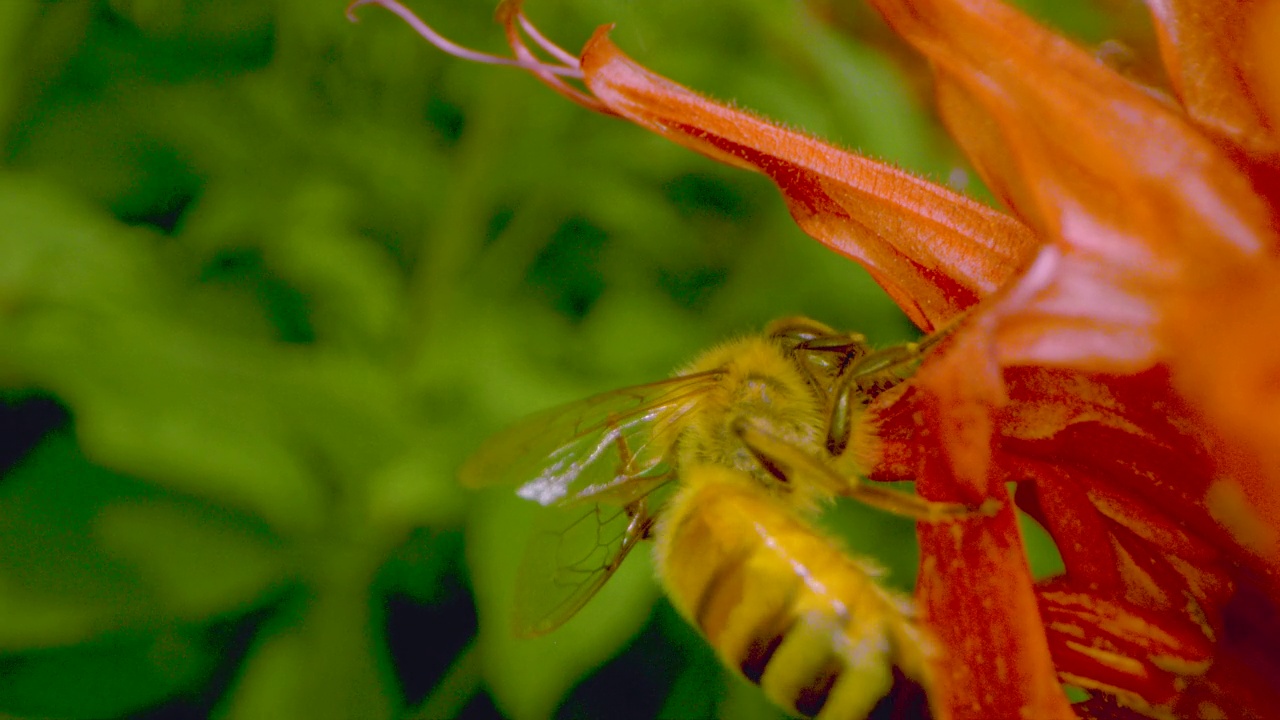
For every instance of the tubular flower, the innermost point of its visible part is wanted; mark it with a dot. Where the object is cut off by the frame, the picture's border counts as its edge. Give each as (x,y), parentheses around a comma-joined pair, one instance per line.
(1109,363)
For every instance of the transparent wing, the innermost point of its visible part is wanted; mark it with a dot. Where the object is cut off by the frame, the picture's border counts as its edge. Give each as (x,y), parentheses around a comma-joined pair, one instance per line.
(574,550)
(590,449)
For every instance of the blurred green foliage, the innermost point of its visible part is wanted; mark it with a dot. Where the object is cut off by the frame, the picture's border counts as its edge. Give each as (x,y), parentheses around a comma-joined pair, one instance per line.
(267,277)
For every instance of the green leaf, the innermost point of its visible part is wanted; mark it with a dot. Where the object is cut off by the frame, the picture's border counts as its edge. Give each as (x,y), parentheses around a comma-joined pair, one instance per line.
(1042,551)
(57,586)
(107,678)
(425,567)
(59,252)
(325,663)
(352,287)
(272,680)
(196,560)
(259,426)
(84,551)
(418,489)
(171,406)
(15,17)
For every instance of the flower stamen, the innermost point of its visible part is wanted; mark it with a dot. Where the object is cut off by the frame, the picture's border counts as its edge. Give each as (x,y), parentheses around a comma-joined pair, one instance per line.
(516,8)
(514,21)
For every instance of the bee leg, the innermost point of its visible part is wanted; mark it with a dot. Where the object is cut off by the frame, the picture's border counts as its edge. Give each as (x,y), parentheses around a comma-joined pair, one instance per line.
(893,363)
(862,381)
(640,521)
(872,374)
(918,508)
(627,467)
(794,461)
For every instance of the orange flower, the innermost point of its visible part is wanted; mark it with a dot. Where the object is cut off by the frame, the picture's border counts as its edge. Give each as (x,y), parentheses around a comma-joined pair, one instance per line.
(1116,362)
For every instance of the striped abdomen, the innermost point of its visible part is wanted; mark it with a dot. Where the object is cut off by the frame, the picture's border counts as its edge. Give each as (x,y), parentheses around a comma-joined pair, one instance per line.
(780,602)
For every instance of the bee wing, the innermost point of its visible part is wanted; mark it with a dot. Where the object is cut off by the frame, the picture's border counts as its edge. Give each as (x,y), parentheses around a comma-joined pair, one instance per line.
(593,448)
(574,550)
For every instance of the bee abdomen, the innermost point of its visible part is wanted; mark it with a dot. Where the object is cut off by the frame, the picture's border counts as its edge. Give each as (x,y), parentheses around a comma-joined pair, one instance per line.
(778,601)
(760,650)
(809,670)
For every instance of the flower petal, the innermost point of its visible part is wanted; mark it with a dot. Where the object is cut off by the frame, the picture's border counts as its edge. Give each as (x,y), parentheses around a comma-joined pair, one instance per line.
(1216,69)
(1267,61)
(1229,60)
(1229,365)
(974,582)
(934,251)
(1134,199)
(1156,238)
(1114,468)
(1117,648)
(975,585)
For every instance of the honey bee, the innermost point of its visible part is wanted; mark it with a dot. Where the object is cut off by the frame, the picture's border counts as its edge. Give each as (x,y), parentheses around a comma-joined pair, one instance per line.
(722,465)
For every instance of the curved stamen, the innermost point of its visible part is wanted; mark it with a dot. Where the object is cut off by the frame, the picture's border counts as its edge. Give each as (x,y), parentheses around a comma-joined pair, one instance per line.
(512,18)
(548,71)
(532,31)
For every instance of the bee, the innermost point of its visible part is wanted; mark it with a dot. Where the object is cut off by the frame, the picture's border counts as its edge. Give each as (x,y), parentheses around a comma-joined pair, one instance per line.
(722,465)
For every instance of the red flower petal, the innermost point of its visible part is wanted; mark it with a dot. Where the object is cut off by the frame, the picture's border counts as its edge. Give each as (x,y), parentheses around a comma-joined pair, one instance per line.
(1266,58)
(1231,370)
(1229,63)
(975,587)
(935,252)
(1134,198)
(1159,240)
(1211,59)
(1111,646)
(973,575)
